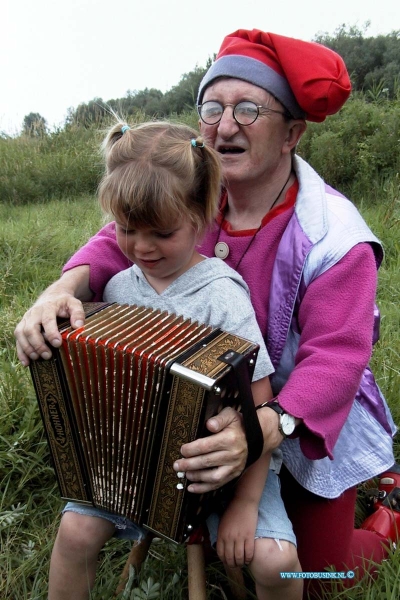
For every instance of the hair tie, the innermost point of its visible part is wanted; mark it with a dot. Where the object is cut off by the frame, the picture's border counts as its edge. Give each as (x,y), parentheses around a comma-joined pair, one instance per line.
(124,128)
(197,143)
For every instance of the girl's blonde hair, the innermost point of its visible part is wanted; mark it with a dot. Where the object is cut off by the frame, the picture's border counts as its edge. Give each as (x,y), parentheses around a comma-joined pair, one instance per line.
(157,173)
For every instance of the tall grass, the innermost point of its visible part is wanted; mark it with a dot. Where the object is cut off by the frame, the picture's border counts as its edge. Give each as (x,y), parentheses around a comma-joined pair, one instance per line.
(34,242)
(59,164)
(64,163)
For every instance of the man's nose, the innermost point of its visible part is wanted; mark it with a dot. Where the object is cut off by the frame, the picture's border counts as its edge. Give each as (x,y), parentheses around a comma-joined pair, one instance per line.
(227,125)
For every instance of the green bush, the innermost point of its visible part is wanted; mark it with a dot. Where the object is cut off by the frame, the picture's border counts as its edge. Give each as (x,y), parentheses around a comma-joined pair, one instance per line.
(358,148)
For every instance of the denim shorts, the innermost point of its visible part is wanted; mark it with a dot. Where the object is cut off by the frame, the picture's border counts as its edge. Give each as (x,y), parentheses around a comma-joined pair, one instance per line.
(273,521)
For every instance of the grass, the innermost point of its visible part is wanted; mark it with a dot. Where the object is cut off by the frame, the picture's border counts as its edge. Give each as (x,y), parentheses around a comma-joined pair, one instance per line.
(35,241)
(34,169)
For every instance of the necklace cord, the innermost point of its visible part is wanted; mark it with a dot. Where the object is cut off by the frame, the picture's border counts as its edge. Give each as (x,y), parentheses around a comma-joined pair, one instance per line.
(254,236)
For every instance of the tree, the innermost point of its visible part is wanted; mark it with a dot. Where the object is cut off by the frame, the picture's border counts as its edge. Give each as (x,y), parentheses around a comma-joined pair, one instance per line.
(150,101)
(371,61)
(34,125)
(87,114)
(183,96)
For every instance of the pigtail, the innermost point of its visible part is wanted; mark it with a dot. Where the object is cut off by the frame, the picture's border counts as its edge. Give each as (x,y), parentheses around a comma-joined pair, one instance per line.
(113,154)
(208,171)
(213,183)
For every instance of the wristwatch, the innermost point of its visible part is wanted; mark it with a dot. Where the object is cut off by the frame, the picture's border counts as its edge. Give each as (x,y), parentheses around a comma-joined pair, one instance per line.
(287,422)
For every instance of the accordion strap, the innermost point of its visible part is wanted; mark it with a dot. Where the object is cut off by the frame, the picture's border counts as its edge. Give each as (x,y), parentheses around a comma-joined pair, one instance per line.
(252,427)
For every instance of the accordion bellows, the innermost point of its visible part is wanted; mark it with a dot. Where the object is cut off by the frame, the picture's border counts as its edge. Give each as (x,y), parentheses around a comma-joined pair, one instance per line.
(118,400)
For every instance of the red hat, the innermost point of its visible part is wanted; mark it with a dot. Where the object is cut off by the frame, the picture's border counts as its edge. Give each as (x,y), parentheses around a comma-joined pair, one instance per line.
(310,80)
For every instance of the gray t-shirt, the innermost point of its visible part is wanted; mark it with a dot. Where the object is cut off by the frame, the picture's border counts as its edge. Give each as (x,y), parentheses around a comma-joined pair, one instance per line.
(210,292)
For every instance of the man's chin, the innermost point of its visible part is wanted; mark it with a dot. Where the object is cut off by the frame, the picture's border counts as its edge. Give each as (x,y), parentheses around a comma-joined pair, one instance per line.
(233,170)
(232,161)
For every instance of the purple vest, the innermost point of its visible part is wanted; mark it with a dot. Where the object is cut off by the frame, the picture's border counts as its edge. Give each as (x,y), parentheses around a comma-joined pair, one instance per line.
(364,447)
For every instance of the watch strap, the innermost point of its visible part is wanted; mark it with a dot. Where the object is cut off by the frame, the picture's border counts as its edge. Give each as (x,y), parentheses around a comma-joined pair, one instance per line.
(272,404)
(252,427)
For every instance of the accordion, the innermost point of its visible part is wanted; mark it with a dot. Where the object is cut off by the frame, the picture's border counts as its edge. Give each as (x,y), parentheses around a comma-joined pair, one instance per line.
(120,397)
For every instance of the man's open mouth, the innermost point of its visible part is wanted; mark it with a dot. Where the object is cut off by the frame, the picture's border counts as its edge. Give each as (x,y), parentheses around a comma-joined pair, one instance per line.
(230,150)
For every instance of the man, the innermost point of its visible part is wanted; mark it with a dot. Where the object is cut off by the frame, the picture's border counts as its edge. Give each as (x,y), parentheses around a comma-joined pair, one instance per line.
(310,263)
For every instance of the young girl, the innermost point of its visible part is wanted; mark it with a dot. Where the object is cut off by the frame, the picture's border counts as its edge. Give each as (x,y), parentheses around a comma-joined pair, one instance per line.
(162,188)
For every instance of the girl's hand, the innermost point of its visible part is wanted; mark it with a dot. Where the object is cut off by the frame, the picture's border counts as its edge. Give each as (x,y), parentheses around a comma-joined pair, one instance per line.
(236,531)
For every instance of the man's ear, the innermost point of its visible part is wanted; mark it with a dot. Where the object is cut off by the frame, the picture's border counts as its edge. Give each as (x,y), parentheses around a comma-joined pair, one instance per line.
(296,129)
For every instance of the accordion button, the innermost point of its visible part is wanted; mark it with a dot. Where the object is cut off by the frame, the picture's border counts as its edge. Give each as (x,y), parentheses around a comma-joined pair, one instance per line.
(179,486)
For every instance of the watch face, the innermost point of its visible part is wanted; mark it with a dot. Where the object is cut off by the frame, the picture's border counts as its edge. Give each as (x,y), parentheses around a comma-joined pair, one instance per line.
(287,424)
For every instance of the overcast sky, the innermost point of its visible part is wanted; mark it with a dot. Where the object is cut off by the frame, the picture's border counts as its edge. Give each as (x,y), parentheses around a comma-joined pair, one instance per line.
(55,55)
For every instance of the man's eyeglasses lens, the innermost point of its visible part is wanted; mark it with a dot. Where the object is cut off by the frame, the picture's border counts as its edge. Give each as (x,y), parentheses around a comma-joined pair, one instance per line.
(245,113)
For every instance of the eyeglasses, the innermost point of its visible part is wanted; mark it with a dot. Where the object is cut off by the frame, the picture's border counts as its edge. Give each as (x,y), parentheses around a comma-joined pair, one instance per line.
(244,113)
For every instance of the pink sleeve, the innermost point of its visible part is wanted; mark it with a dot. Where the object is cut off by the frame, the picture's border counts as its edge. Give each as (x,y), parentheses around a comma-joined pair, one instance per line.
(104,257)
(336,319)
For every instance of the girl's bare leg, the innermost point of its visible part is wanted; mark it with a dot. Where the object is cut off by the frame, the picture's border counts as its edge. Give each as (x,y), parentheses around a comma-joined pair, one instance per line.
(74,558)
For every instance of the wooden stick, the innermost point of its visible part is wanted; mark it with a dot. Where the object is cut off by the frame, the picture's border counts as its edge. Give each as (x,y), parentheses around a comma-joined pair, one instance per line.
(236,582)
(136,556)
(196,572)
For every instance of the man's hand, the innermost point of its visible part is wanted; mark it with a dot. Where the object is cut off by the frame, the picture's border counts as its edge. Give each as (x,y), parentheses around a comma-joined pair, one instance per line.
(31,340)
(39,324)
(213,461)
